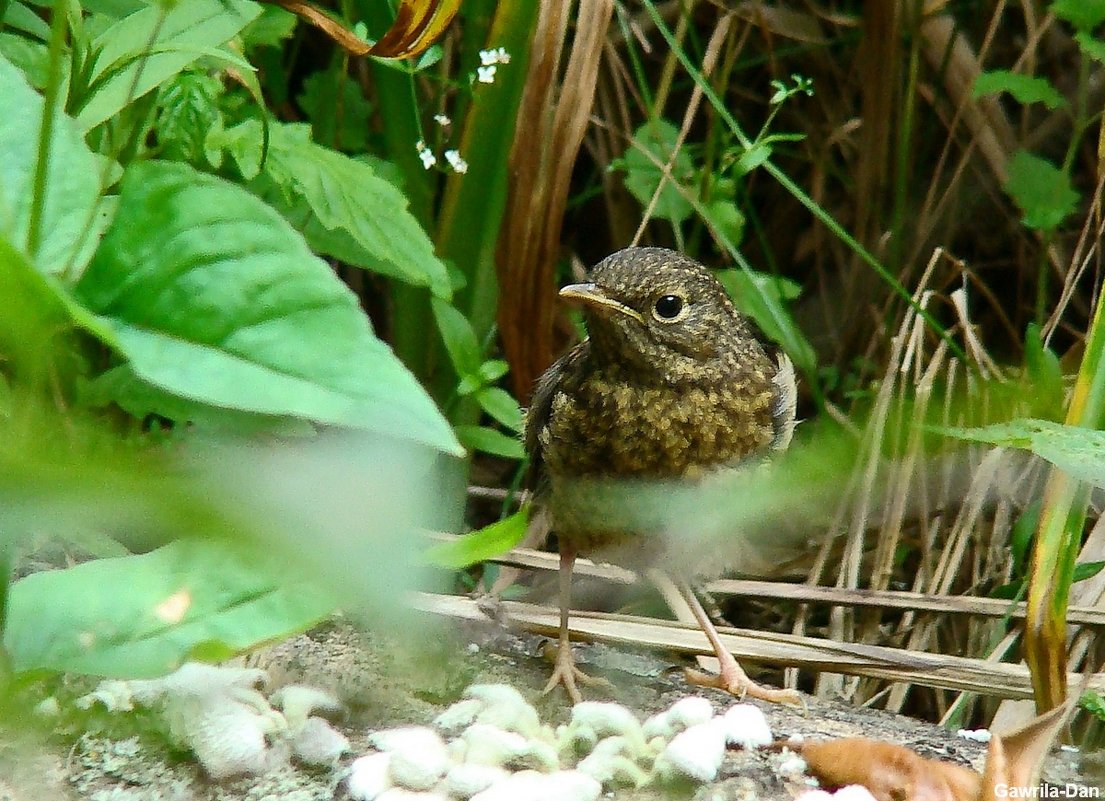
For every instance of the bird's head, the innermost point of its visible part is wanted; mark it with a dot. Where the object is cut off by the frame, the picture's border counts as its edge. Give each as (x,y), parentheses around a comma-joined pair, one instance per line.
(659,312)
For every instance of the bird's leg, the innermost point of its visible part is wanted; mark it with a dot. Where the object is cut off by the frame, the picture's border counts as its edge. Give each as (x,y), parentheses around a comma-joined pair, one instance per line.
(732,677)
(565,671)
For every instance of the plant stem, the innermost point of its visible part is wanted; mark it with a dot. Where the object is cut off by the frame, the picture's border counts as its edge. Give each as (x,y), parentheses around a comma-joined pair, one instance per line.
(58,30)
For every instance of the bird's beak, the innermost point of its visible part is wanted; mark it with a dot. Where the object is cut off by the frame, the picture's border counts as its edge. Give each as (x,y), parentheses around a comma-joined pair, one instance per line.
(592,296)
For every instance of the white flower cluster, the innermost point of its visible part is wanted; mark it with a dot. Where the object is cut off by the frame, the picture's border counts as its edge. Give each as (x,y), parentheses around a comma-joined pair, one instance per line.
(489,59)
(458,164)
(491,746)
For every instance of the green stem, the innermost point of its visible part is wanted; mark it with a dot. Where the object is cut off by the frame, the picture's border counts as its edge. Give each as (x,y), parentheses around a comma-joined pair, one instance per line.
(46,131)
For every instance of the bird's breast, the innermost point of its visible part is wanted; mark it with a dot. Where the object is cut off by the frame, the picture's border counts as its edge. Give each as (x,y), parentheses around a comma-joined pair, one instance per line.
(607,426)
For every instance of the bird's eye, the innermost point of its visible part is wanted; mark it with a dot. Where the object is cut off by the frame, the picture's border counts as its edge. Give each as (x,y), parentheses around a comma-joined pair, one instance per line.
(668,307)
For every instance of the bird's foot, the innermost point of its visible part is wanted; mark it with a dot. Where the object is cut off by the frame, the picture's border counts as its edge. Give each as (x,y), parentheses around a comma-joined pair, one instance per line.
(567,674)
(737,683)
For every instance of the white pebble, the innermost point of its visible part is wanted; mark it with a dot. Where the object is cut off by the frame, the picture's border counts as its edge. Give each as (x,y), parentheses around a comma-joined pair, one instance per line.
(564,785)
(612,763)
(368,776)
(317,743)
(683,714)
(790,764)
(418,755)
(691,711)
(299,702)
(606,718)
(465,780)
(746,726)
(504,707)
(695,753)
(490,745)
(978,735)
(457,717)
(815,795)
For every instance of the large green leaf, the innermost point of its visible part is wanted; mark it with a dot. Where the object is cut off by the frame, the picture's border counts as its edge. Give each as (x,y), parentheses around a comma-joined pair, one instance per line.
(72,184)
(212,296)
(142,616)
(1079,452)
(142,50)
(346,210)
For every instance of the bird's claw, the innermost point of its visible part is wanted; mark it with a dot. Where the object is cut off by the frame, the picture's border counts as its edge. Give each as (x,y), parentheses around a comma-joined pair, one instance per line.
(741,686)
(567,674)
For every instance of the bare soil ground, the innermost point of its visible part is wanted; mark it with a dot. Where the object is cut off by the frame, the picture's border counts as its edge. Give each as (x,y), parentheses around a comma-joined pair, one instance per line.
(389,680)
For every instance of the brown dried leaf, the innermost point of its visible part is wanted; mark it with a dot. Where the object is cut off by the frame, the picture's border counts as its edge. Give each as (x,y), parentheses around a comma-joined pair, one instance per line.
(417,24)
(890,772)
(1015,759)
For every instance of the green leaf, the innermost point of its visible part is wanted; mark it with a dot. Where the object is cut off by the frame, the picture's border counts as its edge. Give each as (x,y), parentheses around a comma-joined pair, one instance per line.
(752,158)
(273,26)
(72,183)
(724,216)
(490,372)
(324,94)
(501,405)
(243,142)
(482,544)
(762,297)
(21,18)
(347,211)
(1024,88)
(1094,48)
(143,616)
(34,320)
(1085,15)
(654,142)
(121,386)
(141,51)
(1021,538)
(188,109)
(1094,703)
(1080,452)
(460,340)
(488,440)
(1041,190)
(29,56)
(1044,375)
(210,295)
(1087,570)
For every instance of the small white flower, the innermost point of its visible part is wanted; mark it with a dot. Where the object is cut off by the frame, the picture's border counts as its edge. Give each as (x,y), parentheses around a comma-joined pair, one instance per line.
(424,153)
(496,55)
(486,74)
(442,120)
(455,161)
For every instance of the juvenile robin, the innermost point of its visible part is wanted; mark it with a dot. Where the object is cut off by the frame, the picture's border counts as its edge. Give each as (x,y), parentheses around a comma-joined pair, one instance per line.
(671,385)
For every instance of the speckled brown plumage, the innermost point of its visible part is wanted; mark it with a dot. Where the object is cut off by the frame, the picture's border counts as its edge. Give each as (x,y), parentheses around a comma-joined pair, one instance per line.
(671,384)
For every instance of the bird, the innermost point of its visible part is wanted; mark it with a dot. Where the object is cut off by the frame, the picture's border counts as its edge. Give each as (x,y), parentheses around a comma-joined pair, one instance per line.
(671,385)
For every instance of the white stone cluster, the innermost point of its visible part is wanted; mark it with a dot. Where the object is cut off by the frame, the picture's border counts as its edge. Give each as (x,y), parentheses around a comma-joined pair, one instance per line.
(220,715)
(491,746)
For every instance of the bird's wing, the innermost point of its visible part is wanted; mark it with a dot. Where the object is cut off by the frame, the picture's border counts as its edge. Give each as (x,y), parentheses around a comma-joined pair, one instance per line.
(784,403)
(541,405)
